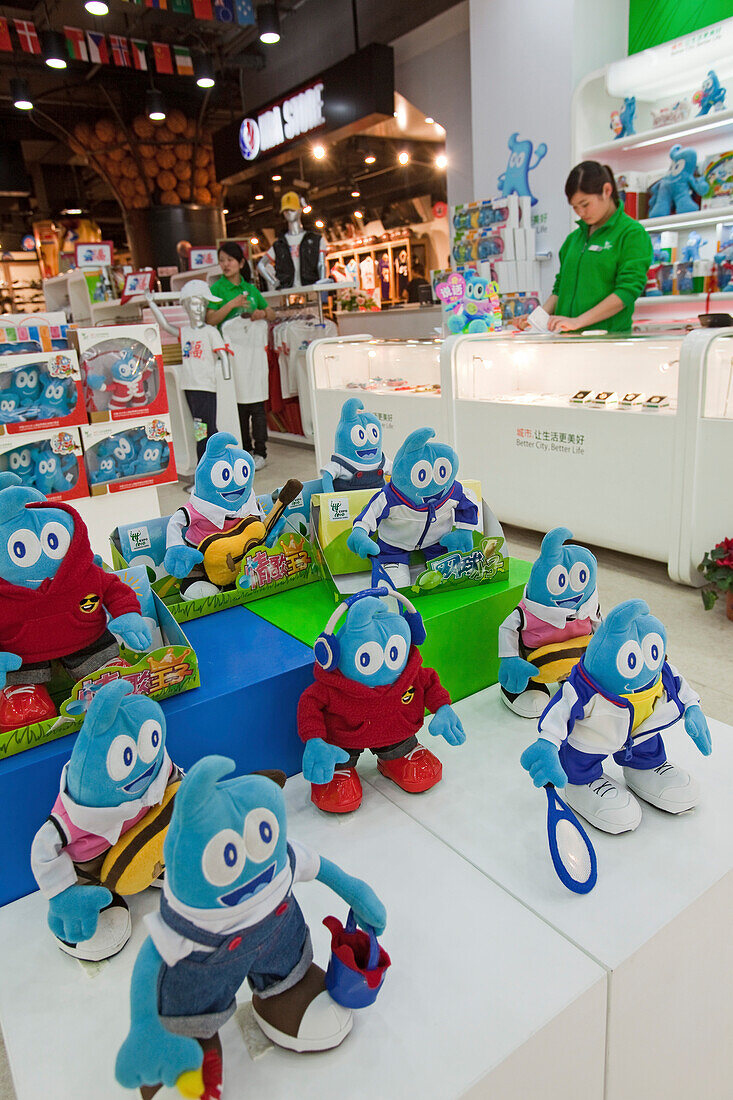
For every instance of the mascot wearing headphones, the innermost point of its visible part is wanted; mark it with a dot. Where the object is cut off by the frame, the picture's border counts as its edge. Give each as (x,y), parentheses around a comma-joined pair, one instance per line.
(371,692)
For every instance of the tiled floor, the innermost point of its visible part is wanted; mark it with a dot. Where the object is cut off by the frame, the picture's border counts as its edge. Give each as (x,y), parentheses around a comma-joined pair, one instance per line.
(700,642)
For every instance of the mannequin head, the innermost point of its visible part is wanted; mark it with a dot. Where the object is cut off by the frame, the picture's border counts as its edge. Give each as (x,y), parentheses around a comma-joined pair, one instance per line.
(196,299)
(290,207)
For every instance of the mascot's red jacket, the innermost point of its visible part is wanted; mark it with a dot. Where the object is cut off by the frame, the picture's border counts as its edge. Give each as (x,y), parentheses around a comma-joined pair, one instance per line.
(354,716)
(66,612)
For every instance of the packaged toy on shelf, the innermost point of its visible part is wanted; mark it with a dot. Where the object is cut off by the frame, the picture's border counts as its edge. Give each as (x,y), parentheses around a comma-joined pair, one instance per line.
(40,390)
(103,840)
(51,462)
(228,914)
(358,461)
(54,601)
(718,174)
(371,692)
(119,458)
(546,635)
(122,369)
(711,95)
(470,304)
(674,191)
(423,508)
(618,700)
(40,331)
(622,122)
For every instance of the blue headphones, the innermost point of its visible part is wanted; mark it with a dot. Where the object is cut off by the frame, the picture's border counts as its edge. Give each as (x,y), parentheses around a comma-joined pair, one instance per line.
(327,649)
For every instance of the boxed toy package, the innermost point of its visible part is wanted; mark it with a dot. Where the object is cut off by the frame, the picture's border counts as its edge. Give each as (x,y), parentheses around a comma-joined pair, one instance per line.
(122,370)
(717,171)
(118,458)
(40,389)
(52,462)
(34,331)
(470,304)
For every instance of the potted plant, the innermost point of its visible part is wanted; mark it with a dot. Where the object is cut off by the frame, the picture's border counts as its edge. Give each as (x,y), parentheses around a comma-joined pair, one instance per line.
(717,568)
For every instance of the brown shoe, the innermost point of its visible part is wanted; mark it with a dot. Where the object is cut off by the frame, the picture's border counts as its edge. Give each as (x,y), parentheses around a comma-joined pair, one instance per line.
(304,1017)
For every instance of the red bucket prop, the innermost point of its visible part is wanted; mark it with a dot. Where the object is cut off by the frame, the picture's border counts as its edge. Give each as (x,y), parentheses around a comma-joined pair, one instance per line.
(358,963)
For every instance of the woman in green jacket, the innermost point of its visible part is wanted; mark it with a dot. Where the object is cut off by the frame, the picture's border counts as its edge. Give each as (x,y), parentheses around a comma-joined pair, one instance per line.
(603,263)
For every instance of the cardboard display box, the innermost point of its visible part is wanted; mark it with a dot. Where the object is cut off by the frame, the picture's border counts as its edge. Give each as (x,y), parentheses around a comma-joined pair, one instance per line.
(40,390)
(52,462)
(130,455)
(141,392)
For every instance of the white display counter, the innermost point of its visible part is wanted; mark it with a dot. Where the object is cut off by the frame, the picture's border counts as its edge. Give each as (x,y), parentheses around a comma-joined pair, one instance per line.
(398,380)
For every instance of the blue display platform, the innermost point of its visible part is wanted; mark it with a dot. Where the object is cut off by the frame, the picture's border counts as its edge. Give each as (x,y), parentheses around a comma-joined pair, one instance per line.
(252,675)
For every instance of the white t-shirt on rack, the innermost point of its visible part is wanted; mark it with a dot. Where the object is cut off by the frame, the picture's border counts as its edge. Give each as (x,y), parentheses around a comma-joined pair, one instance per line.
(368,280)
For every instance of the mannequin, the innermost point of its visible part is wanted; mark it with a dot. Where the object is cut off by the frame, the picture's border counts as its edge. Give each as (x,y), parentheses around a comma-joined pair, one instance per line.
(298,256)
(202,348)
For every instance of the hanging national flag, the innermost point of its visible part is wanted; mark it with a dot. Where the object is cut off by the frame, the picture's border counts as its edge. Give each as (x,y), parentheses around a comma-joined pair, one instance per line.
(120,51)
(76,43)
(162,4)
(182,7)
(224,11)
(139,56)
(162,58)
(5,43)
(202,9)
(97,44)
(27,36)
(184,64)
(245,11)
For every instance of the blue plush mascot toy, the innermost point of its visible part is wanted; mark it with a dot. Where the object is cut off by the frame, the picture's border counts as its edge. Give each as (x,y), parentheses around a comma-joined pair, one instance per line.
(674,191)
(358,461)
(228,914)
(618,700)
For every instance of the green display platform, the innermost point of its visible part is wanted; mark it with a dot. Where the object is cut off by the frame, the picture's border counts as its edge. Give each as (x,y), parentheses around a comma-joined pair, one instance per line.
(461,626)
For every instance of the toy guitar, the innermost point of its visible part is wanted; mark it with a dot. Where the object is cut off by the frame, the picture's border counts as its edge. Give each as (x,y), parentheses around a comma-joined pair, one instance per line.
(224,550)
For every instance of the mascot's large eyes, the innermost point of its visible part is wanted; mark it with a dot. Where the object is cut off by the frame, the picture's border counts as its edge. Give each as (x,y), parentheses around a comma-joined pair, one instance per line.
(369,658)
(653,649)
(421,473)
(149,740)
(24,548)
(43,467)
(150,454)
(22,379)
(629,658)
(373,432)
(221,475)
(395,651)
(442,471)
(579,576)
(557,581)
(242,471)
(224,858)
(261,830)
(121,757)
(55,539)
(358,436)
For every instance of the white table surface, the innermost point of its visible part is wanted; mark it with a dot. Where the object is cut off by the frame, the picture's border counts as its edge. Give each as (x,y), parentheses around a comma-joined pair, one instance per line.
(475,978)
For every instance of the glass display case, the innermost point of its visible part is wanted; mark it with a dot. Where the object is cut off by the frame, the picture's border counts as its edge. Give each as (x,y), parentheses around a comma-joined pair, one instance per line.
(398,380)
(576,431)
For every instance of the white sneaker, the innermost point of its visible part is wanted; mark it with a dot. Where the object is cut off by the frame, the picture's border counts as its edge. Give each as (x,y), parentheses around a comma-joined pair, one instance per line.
(113,931)
(323,1026)
(528,703)
(667,787)
(199,589)
(604,804)
(260,461)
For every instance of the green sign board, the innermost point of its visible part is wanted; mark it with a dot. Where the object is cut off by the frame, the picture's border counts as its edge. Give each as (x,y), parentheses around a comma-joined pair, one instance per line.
(652,22)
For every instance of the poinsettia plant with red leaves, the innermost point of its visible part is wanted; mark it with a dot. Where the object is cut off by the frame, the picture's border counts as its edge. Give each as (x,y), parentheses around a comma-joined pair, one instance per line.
(717,568)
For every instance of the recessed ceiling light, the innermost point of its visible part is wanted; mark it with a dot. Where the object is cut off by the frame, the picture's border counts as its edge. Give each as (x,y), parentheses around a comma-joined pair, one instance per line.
(259,198)
(429,120)
(96,7)
(358,214)
(254,240)
(319,152)
(441,161)
(319,224)
(404,157)
(370,159)
(356,193)
(307,208)
(276,179)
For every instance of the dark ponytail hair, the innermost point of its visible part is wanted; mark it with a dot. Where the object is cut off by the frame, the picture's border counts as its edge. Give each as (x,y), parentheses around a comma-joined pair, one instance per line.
(231,248)
(589,177)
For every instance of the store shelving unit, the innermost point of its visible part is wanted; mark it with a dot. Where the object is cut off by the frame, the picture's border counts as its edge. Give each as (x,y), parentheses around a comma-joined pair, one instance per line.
(415,249)
(18,271)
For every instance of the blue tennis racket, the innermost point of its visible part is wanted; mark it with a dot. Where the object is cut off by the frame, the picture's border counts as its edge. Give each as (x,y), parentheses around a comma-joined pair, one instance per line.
(573,855)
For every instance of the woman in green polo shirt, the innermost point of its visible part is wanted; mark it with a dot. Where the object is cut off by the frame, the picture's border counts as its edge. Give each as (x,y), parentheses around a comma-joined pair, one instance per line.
(247,342)
(603,263)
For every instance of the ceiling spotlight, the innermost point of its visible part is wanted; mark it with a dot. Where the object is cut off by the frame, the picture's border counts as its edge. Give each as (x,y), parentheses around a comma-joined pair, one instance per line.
(441,161)
(225,210)
(154,105)
(204,71)
(259,198)
(356,193)
(319,224)
(276,178)
(71,211)
(429,120)
(254,240)
(96,7)
(358,214)
(53,47)
(268,23)
(319,152)
(404,157)
(307,208)
(21,94)
(370,159)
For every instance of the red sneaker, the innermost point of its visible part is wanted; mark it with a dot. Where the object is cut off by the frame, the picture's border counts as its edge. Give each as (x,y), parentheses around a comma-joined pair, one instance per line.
(341,795)
(23,705)
(418,771)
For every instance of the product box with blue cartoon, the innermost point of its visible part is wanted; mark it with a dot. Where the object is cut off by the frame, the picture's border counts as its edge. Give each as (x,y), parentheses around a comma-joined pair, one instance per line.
(50,461)
(126,456)
(40,390)
(122,371)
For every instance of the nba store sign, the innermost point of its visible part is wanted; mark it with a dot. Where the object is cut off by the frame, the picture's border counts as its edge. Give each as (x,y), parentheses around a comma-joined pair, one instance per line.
(291,118)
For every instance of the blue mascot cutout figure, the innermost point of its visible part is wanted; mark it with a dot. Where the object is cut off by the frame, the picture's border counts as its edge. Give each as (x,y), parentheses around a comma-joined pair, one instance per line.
(358,461)
(626,117)
(119,776)
(712,95)
(371,692)
(515,179)
(227,914)
(674,191)
(546,634)
(423,508)
(617,701)
(53,603)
